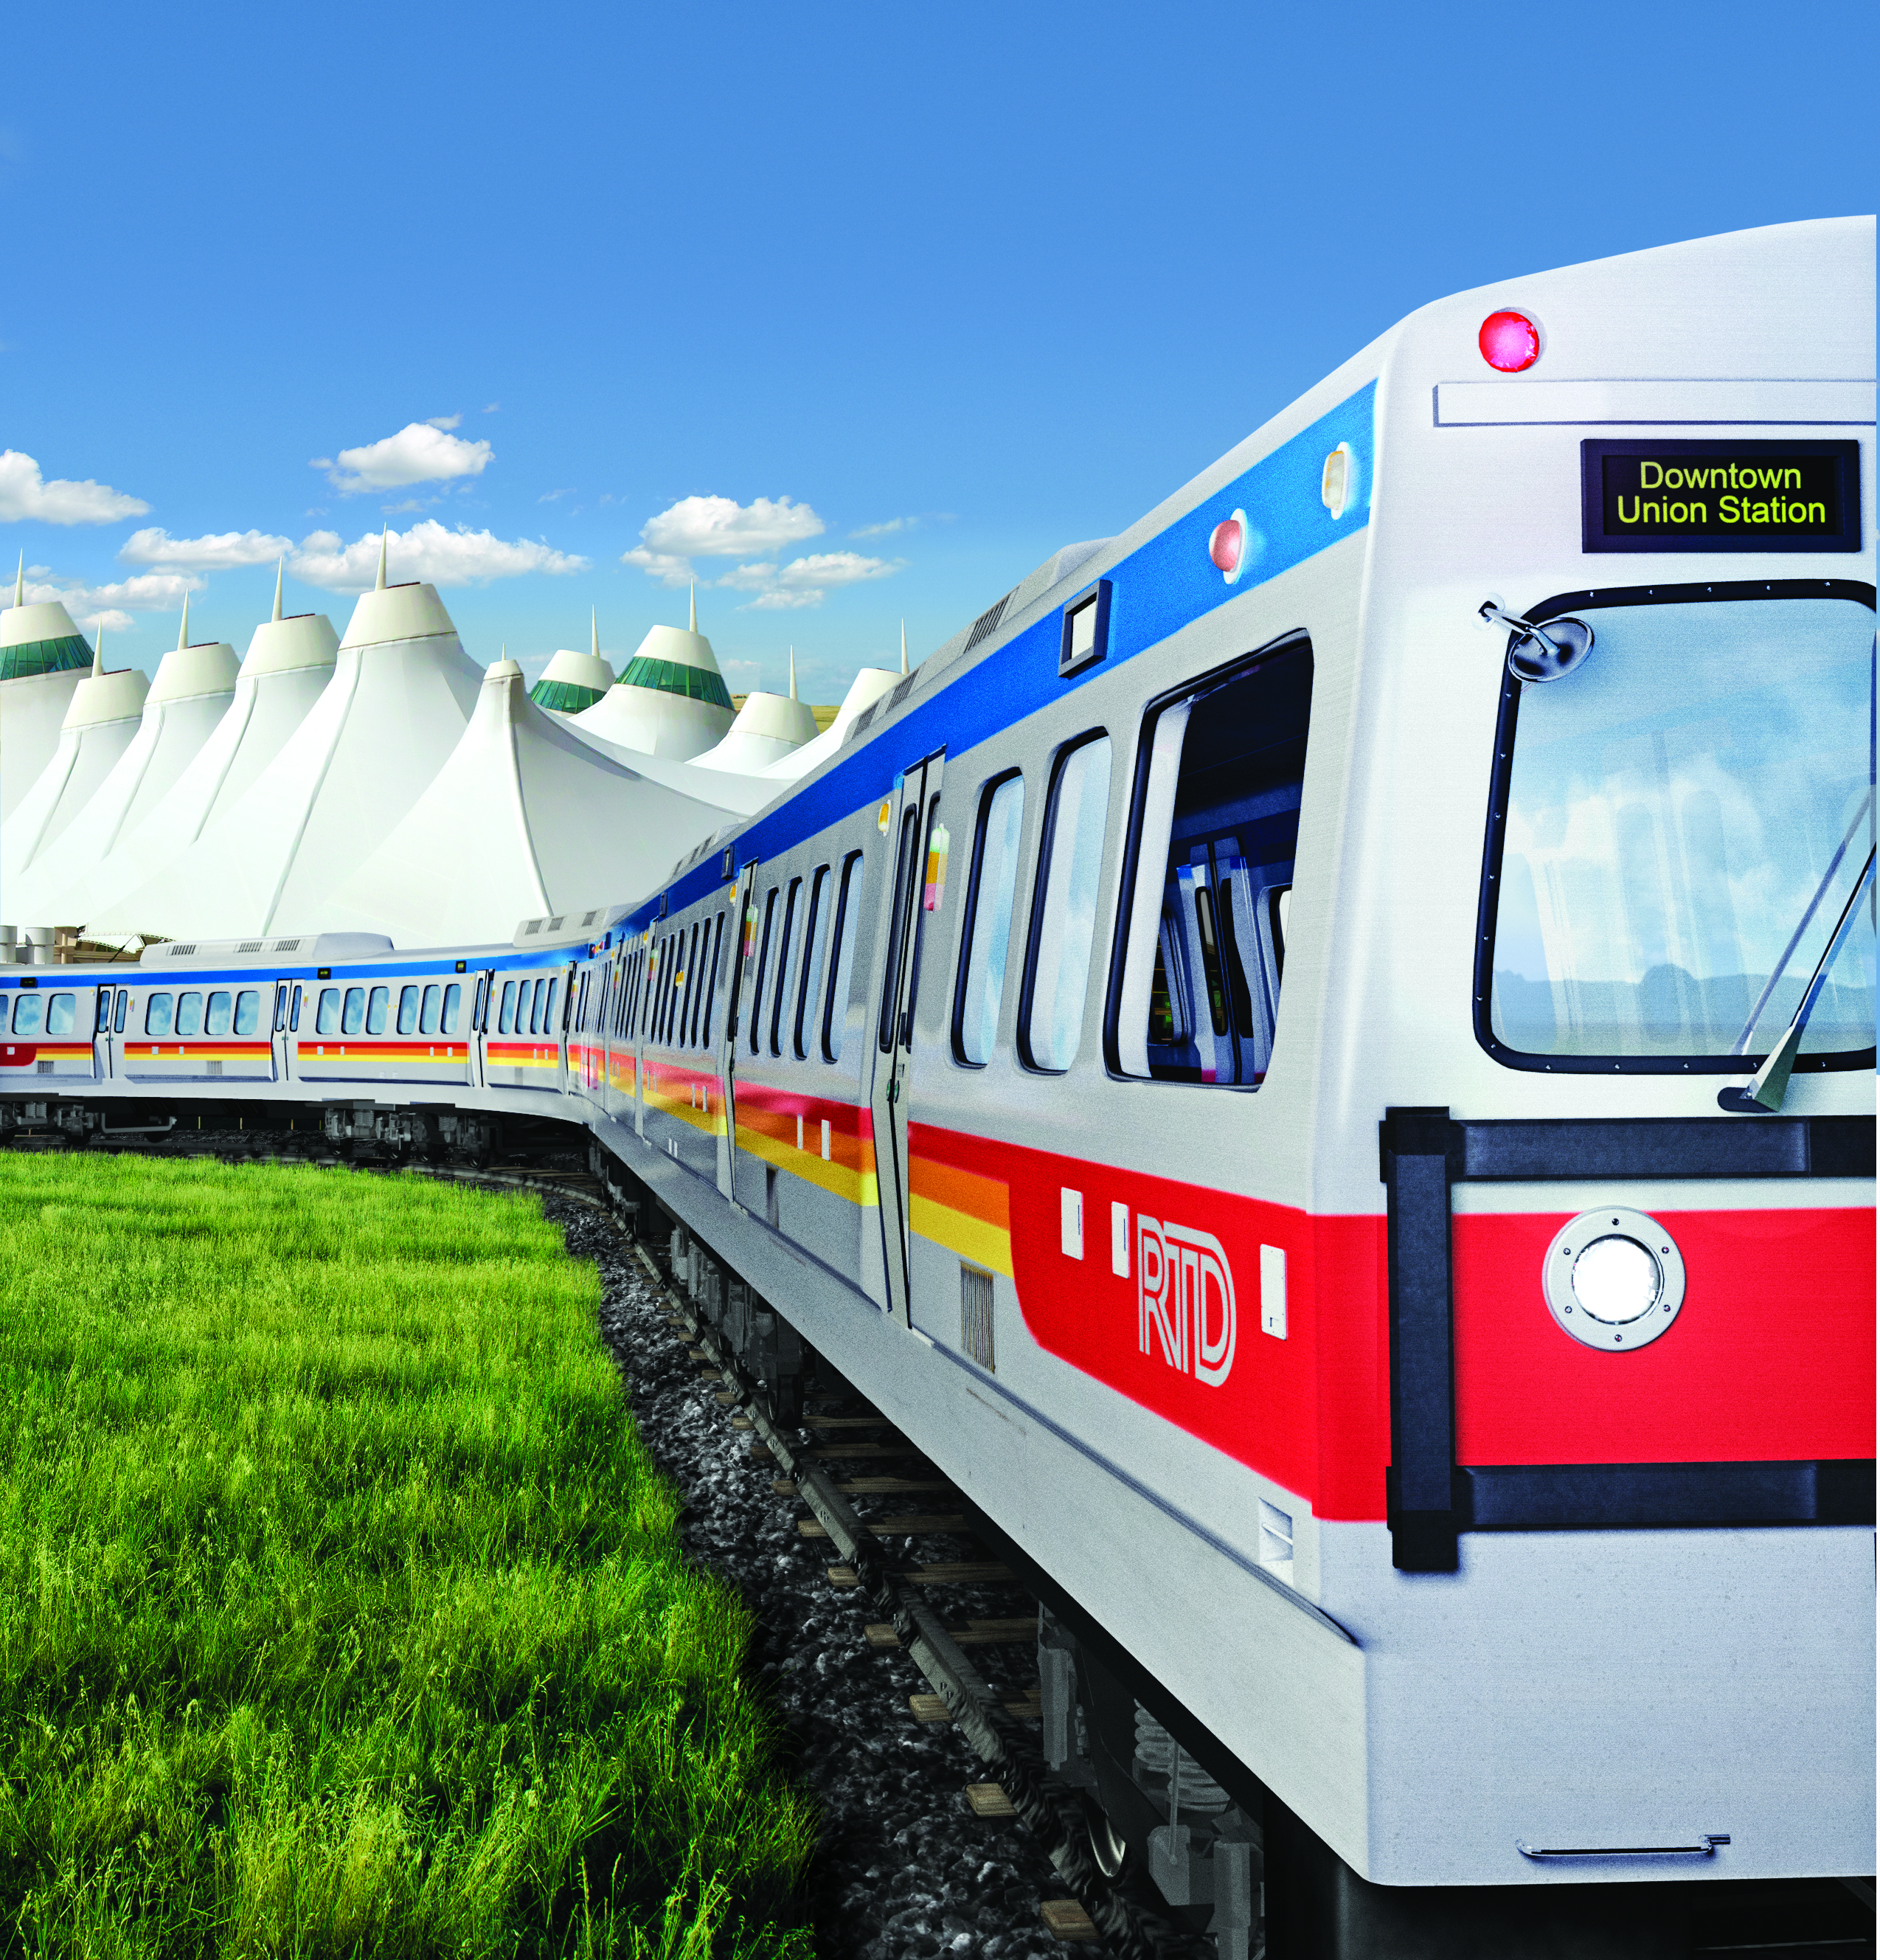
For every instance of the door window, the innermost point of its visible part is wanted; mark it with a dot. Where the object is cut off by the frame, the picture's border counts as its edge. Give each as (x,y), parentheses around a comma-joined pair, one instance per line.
(848,914)
(906,859)
(1221,771)
(987,930)
(123,1001)
(1064,918)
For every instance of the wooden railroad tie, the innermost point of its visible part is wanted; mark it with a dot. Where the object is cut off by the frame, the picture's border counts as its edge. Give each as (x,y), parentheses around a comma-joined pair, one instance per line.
(861,1449)
(697,1355)
(891,1527)
(846,1422)
(957,1573)
(741,1422)
(987,1799)
(883,1639)
(932,1708)
(1067,1919)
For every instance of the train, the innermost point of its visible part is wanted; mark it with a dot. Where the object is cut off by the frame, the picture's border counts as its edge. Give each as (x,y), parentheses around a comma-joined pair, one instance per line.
(1317,1059)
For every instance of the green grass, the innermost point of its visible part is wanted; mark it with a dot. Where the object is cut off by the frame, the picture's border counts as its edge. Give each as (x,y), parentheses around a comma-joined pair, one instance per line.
(341,1610)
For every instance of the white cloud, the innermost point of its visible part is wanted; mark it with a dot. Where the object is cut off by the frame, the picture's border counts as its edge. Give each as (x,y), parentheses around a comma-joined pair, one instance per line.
(886,530)
(420,453)
(668,571)
(804,581)
(218,552)
(442,421)
(25,494)
(718,527)
(147,592)
(427,551)
(550,496)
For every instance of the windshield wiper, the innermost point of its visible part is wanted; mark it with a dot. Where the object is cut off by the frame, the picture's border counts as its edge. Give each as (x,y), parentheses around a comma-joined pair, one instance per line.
(1767,1086)
(1740,1045)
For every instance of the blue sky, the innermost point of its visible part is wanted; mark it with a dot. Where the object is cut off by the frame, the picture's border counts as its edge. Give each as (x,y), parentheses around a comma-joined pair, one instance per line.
(864,311)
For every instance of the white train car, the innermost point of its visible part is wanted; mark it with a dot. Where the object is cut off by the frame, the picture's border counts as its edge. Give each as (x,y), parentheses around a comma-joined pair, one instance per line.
(1319,1061)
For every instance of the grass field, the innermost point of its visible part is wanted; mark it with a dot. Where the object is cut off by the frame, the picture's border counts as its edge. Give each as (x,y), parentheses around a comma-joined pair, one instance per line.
(340,1610)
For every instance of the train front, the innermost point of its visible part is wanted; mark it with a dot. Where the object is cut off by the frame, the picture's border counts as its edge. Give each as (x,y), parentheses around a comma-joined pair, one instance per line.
(1602,1024)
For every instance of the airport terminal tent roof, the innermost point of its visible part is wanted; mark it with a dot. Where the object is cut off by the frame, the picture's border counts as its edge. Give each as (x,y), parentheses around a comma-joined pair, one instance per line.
(572,681)
(288,664)
(190,694)
(867,688)
(670,699)
(101,722)
(402,690)
(524,818)
(768,727)
(42,658)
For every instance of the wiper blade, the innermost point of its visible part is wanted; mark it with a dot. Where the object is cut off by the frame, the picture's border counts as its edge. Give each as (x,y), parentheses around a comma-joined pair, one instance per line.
(1770,1084)
(1740,1045)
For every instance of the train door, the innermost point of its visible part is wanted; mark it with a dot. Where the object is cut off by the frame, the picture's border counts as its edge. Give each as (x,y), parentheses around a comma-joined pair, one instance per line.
(278,1036)
(912,811)
(744,916)
(101,1037)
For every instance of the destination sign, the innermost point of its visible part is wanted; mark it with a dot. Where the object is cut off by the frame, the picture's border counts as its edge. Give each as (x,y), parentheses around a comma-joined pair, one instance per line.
(1719,496)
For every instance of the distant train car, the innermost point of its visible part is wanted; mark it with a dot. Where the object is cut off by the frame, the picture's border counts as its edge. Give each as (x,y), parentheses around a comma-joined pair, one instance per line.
(1318,1059)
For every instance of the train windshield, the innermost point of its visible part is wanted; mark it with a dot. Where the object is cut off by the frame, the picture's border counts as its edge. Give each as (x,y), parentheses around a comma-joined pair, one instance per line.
(1688,814)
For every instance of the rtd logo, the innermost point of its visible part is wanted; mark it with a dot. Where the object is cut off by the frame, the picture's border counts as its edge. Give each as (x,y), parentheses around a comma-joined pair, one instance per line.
(1187,1295)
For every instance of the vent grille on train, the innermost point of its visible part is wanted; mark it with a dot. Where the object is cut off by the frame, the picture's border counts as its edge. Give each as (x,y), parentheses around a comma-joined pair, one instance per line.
(532,928)
(248,946)
(554,925)
(987,621)
(181,952)
(862,721)
(902,689)
(287,946)
(975,1315)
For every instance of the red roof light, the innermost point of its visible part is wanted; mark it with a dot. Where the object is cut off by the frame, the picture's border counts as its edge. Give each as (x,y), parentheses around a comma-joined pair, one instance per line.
(1510,342)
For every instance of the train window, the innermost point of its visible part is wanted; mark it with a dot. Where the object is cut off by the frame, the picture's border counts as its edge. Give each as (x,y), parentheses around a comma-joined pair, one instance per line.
(221,1010)
(987,933)
(550,1025)
(816,940)
(377,1007)
(104,1011)
(1064,913)
(189,1013)
(789,954)
(1220,769)
(247,1010)
(1684,822)
(159,1010)
(506,1018)
(326,1015)
(427,1013)
(453,1004)
(123,1002)
(848,914)
(280,1006)
(711,982)
(352,1014)
(61,1013)
(294,1015)
(29,1010)
(408,1010)
(757,979)
(689,1004)
(905,857)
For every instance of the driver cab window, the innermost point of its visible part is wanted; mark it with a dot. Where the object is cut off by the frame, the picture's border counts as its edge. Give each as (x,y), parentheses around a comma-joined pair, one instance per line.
(1218,790)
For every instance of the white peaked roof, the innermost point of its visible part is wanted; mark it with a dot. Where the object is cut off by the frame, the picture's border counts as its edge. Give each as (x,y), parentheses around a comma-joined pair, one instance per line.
(768,726)
(288,664)
(572,681)
(402,690)
(868,687)
(190,694)
(101,722)
(42,658)
(670,699)
(524,819)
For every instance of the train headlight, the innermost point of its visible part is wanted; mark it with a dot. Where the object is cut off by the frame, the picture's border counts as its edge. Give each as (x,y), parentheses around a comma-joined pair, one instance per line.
(1614,1279)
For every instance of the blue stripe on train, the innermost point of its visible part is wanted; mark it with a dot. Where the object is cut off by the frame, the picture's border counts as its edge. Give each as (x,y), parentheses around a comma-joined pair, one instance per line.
(1167,581)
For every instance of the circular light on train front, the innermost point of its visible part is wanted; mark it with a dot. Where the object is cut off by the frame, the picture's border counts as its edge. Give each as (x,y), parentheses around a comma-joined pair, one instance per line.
(1229,547)
(1614,1279)
(1510,342)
